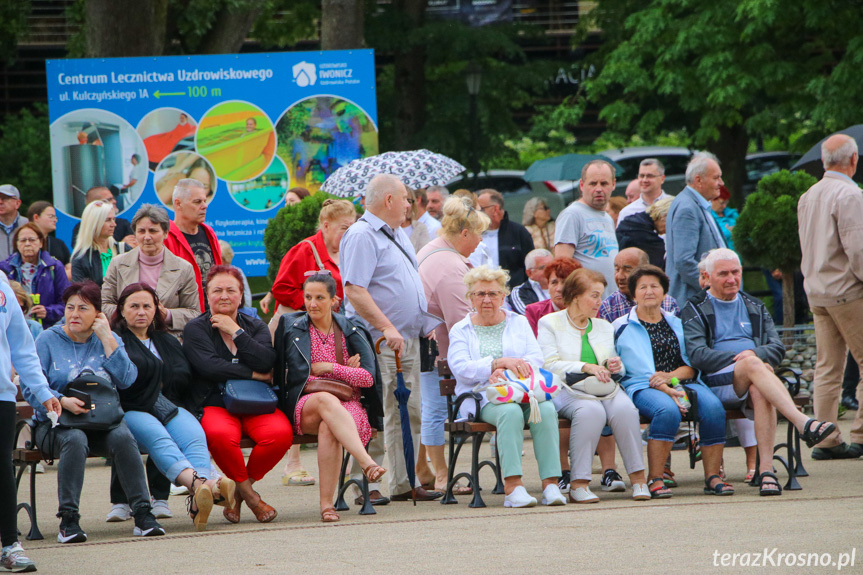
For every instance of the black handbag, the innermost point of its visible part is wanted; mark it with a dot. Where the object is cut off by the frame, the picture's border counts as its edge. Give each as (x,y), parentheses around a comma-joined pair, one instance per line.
(428,354)
(249,397)
(104,413)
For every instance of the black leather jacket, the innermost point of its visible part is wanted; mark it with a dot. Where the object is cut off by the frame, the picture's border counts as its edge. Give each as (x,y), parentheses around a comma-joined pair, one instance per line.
(293,363)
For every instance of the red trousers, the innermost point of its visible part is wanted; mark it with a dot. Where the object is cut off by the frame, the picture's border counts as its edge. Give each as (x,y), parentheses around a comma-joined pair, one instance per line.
(271,433)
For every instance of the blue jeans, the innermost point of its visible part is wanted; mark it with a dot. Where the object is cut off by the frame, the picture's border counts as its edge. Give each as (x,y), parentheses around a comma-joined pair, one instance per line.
(180,444)
(433,408)
(664,414)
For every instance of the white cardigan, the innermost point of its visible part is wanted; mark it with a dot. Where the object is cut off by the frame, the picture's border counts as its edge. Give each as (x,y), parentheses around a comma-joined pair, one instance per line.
(561,344)
(470,369)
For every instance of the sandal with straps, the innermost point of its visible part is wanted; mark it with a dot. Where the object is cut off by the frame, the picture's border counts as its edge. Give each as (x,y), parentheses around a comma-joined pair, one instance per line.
(812,436)
(262,510)
(329,515)
(719,488)
(374,472)
(203,503)
(232,513)
(227,493)
(769,484)
(658,489)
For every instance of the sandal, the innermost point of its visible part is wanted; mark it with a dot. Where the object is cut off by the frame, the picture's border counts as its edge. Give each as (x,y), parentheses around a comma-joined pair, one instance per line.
(232,513)
(329,515)
(769,484)
(298,478)
(203,499)
(263,512)
(374,472)
(227,493)
(658,489)
(668,478)
(812,436)
(750,475)
(719,488)
(459,489)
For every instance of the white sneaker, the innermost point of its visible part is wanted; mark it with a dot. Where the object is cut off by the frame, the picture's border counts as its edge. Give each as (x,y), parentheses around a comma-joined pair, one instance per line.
(640,492)
(161,509)
(519,498)
(179,490)
(583,495)
(551,495)
(119,512)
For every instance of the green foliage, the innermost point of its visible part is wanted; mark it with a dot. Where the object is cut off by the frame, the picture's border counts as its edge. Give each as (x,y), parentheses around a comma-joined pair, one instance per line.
(766,231)
(13,25)
(26,154)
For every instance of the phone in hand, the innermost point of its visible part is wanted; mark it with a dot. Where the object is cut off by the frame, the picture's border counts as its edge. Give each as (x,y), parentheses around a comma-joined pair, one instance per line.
(77,394)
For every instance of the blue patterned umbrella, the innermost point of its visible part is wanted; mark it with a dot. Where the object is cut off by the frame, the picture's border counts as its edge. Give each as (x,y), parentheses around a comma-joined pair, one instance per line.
(417,169)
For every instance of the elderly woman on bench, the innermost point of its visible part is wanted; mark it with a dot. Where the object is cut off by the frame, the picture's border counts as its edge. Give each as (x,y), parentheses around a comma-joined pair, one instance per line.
(482,346)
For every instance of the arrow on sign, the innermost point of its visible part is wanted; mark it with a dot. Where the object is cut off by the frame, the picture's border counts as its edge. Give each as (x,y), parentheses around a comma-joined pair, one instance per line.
(159,94)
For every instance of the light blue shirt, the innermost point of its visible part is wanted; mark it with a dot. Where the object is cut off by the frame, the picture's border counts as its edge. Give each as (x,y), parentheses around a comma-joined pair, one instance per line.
(733,328)
(841,175)
(708,212)
(372,261)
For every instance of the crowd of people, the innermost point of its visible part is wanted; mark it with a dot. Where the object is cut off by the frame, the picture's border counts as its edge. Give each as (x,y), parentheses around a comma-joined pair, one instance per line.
(655,327)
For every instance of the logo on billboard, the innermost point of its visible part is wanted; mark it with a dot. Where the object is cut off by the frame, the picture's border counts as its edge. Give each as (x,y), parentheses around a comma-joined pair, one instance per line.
(305,74)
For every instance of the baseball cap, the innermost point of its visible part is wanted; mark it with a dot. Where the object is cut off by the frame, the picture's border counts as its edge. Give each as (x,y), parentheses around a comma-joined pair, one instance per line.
(11,191)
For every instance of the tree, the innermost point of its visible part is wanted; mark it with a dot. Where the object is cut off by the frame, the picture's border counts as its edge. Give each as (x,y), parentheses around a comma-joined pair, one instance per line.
(728,71)
(342,24)
(766,231)
(26,154)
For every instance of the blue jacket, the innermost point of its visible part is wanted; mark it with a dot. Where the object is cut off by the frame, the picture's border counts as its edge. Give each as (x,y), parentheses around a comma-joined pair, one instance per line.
(17,349)
(63,360)
(49,282)
(689,234)
(635,351)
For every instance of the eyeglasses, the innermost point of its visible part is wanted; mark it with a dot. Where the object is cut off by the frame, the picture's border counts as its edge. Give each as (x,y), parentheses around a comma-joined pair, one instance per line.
(546,208)
(484,208)
(29,240)
(487,294)
(647,176)
(318,273)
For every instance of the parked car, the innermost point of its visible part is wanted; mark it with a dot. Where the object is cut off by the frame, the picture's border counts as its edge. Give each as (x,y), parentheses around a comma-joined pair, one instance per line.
(516,191)
(763,164)
(674,160)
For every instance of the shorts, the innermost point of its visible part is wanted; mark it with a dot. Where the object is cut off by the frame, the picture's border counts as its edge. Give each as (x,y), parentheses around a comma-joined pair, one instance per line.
(721,386)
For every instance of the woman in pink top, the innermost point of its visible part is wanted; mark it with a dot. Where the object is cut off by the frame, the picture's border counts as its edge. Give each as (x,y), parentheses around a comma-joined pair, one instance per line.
(442,265)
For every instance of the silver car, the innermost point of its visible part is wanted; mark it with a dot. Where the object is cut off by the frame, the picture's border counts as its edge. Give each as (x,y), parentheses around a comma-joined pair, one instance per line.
(674,160)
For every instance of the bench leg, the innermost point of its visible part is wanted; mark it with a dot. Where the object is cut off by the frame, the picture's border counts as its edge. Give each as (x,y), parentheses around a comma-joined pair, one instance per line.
(475,466)
(498,486)
(340,503)
(456,441)
(34,533)
(799,470)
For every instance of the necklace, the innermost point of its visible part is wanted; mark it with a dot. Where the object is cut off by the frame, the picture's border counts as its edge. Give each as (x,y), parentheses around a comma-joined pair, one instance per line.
(322,337)
(578,327)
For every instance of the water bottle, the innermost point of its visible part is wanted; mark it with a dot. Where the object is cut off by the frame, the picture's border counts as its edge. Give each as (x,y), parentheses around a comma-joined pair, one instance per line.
(682,401)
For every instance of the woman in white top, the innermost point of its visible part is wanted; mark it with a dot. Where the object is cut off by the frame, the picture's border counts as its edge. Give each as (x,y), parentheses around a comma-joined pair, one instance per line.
(483,345)
(575,341)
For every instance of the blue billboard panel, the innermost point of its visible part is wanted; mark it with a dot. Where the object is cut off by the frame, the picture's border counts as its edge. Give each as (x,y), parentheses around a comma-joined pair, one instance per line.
(249,126)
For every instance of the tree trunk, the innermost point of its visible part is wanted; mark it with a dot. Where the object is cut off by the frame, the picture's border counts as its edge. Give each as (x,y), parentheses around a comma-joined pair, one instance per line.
(409,74)
(730,148)
(788,299)
(125,28)
(341,24)
(230,29)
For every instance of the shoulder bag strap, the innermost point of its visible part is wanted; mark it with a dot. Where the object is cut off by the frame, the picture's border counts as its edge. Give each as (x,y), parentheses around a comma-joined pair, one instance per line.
(340,350)
(393,240)
(315,253)
(434,252)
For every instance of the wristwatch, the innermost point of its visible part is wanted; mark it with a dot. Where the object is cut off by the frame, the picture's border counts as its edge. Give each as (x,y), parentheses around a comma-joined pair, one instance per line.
(238,333)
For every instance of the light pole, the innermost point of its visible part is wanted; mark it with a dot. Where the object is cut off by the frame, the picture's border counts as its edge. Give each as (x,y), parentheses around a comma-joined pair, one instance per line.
(473,77)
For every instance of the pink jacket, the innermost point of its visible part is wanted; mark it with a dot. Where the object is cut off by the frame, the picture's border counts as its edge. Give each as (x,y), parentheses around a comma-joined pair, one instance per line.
(442,274)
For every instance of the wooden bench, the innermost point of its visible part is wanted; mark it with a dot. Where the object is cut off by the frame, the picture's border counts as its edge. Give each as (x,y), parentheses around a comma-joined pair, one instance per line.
(30,456)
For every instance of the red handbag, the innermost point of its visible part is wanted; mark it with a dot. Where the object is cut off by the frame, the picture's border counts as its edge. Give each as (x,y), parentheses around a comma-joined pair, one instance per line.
(340,389)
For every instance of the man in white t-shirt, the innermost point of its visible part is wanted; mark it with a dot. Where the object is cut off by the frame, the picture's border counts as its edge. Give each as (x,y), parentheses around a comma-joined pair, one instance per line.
(651,176)
(584,230)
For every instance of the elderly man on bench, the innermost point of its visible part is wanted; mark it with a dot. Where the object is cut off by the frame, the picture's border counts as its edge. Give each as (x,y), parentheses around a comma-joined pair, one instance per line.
(731,339)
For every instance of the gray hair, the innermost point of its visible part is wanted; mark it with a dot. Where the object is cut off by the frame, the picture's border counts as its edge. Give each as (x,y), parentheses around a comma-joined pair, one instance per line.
(379,186)
(227,252)
(839,156)
(444,193)
(484,273)
(717,255)
(533,255)
(154,213)
(530,207)
(653,162)
(185,186)
(698,165)
(659,209)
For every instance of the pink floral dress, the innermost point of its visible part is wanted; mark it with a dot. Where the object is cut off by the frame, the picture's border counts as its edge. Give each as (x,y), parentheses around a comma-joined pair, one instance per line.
(324,350)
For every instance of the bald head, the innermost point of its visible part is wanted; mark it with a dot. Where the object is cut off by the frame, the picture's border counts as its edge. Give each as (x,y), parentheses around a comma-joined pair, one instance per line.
(98,193)
(381,186)
(387,198)
(839,153)
(626,261)
(633,191)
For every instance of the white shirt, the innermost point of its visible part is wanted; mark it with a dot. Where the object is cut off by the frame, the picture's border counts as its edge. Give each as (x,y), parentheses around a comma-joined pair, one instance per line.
(638,206)
(537,289)
(432,224)
(486,253)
